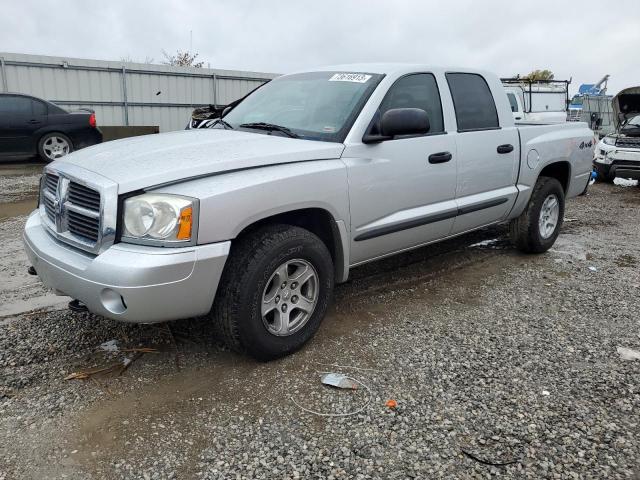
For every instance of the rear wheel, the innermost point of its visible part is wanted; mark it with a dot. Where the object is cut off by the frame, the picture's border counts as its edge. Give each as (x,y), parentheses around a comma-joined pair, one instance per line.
(53,146)
(536,229)
(275,291)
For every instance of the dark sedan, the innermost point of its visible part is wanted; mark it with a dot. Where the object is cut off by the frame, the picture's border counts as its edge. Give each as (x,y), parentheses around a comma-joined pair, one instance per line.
(32,126)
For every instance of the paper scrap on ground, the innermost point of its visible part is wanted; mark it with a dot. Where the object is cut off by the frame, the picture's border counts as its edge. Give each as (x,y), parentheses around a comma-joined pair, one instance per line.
(338,380)
(628,354)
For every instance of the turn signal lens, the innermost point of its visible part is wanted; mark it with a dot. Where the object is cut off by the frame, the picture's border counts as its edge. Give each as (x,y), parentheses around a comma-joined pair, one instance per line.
(185,222)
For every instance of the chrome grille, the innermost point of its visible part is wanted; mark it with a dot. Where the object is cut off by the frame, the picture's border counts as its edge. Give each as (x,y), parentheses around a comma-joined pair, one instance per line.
(84,196)
(83,226)
(72,211)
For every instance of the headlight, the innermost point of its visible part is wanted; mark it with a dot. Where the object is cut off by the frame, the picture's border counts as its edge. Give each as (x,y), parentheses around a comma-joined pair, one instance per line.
(159,219)
(609,140)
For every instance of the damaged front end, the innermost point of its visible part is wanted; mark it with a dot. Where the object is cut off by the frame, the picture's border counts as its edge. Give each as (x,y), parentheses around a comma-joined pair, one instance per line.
(618,154)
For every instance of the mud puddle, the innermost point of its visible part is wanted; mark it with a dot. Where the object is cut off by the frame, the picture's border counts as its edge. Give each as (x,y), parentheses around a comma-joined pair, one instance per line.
(16,209)
(22,168)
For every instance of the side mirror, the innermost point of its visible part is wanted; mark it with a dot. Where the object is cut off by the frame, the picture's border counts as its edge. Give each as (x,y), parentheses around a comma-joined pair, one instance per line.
(400,121)
(404,121)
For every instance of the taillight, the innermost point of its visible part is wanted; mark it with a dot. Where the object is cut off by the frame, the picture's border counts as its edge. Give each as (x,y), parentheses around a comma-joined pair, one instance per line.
(92,120)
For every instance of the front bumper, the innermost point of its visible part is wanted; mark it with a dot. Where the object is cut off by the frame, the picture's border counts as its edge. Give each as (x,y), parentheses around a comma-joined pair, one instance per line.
(131,283)
(623,163)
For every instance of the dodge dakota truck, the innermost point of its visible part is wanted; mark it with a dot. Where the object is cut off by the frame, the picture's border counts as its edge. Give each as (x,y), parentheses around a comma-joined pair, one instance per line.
(254,221)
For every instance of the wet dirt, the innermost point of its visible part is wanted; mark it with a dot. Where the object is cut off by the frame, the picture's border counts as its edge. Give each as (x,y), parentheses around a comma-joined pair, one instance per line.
(16,209)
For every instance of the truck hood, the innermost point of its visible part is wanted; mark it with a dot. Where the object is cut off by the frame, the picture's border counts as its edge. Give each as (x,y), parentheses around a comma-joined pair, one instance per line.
(626,104)
(147,161)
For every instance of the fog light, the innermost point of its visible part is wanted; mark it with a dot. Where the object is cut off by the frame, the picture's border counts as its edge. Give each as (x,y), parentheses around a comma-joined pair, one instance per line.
(112,301)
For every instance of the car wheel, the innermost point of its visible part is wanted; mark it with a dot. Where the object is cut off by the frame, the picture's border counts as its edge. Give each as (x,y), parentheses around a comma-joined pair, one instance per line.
(536,229)
(604,175)
(274,292)
(53,146)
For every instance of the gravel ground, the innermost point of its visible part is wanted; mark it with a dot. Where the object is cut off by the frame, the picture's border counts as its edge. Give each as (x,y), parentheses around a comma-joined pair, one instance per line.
(19,180)
(493,357)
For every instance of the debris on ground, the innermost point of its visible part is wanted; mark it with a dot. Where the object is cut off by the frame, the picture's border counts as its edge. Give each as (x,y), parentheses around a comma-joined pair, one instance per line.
(628,354)
(392,404)
(110,346)
(338,380)
(500,463)
(592,268)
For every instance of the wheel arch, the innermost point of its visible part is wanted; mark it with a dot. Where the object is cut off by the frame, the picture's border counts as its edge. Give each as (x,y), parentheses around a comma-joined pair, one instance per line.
(561,171)
(320,222)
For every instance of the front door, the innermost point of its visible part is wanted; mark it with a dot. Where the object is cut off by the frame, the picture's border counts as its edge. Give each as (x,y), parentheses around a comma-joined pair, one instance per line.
(402,191)
(18,122)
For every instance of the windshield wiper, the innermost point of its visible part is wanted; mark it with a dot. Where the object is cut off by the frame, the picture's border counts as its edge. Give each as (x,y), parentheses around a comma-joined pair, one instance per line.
(226,126)
(270,127)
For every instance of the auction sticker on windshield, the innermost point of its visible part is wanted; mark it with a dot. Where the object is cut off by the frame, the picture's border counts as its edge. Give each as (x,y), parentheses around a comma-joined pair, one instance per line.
(350,77)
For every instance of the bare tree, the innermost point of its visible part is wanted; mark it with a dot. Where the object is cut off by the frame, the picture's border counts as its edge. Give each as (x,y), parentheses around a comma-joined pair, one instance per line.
(182,59)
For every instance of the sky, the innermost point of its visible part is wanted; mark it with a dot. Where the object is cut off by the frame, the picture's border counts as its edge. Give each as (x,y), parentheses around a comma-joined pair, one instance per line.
(578,39)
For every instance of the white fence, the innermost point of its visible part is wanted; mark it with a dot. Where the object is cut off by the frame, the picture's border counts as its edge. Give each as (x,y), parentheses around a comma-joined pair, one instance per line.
(125,93)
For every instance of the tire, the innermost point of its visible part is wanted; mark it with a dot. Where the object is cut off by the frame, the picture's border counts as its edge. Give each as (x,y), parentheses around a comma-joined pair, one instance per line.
(250,276)
(604,175)
(54,145)
(525,230)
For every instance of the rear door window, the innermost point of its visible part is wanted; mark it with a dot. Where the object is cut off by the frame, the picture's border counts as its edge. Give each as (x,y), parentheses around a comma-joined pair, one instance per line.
(474,105)
(38,107)
(513,101)
(15,105)
(418,90)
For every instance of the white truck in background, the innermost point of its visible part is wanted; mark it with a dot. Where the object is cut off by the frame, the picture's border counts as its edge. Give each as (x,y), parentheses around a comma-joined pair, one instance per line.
(537,101)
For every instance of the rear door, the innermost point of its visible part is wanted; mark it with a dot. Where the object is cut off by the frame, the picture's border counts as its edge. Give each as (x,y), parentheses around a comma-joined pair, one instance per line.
(402,191)
(488,153)
(20,118)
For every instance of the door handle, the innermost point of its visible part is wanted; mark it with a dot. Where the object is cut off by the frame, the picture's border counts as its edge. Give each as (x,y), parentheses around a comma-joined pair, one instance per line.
(440,157)
(34,122)
(506,148)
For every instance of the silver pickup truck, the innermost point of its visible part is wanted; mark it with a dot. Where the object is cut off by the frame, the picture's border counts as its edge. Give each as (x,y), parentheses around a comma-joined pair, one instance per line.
(252,222)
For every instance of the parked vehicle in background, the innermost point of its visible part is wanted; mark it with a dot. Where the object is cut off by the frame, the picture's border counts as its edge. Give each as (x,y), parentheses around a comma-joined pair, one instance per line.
(618,154)
(538,100)
(592,105)
(32,126)
(204,117)
(252,222)
(207,116)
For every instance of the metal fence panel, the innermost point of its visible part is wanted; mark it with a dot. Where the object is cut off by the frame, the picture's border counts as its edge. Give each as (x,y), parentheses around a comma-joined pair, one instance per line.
(125,93)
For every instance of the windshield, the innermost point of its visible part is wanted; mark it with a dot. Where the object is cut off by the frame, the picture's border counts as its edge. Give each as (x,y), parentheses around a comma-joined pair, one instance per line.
(315,105)
(632,123)
(576,100)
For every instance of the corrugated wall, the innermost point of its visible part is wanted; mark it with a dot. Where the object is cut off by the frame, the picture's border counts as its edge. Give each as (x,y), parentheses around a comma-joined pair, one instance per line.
(125,93)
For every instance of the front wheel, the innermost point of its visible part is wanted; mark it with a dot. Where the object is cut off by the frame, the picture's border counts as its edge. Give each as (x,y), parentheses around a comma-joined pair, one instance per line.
(275,291)
(604,174)
(536,229)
